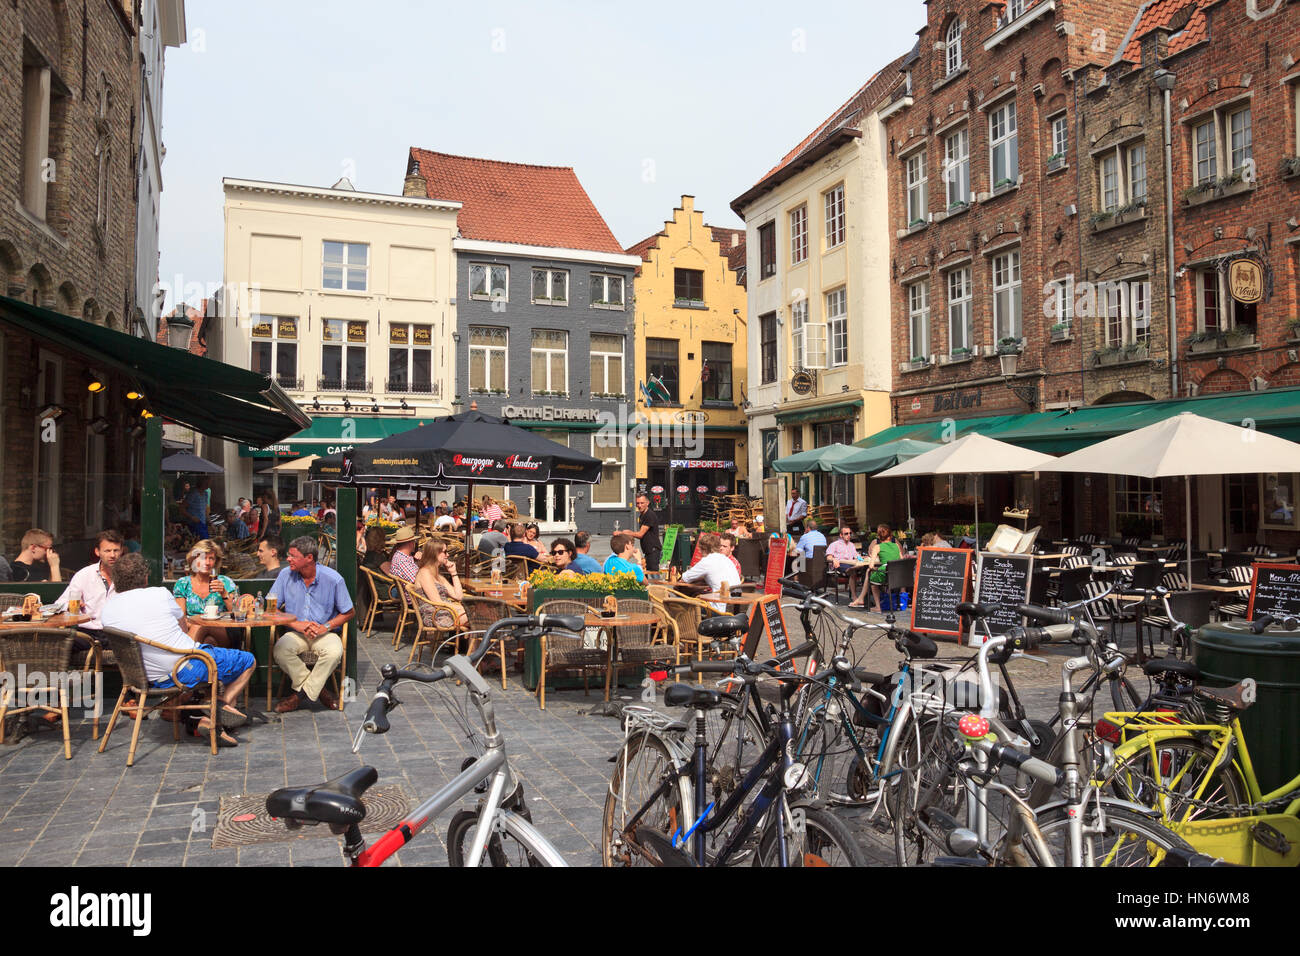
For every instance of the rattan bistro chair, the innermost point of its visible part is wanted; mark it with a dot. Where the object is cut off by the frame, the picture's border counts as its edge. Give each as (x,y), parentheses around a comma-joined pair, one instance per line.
(638,646)
(133,701)
(43,651)
(483,613)
(685,613)
(562,652)
(309,658)
(428,635)
(383,597)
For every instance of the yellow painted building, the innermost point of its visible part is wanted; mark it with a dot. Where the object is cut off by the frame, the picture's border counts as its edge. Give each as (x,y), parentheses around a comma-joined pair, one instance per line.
(691,354)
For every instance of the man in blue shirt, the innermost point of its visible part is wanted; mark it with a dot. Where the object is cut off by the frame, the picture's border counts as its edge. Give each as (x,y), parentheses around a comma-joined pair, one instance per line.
(318,599)
(621,561)
(811,538)
(582,561)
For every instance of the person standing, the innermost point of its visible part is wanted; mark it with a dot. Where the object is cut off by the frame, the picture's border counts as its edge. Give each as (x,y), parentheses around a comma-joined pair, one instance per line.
(38,561)
(318,599)
(196,510)
(648,533)
(268,520)
(796,509)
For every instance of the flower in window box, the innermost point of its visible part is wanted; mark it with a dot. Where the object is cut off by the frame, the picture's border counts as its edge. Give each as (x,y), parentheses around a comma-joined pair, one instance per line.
(1010,344)
(1097,218)
(1001,183)
(958,204)
(960,351)
(915,222)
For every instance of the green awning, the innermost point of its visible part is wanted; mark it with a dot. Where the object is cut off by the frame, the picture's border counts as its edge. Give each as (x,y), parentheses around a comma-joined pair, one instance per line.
(1275,411)
(332,435)
(815,459)
(209,396)
(826,413)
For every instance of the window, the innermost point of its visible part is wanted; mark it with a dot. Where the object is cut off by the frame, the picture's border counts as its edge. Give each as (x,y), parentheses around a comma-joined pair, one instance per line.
(1138,506)
(688,285)
(1014,9)
(1205,153)
(770,438)
(1123,173)
(410,358)
(489,281)
(952,58)
(275,349)
(38,106)
(345,266)
(1216,310)
(799,235)
(766,250)
(1062,302)
(1005,145)
(609,491)
(1006,296)
(716,374)
(956,167)
(959,325)
(343,356)
(809,338)
(834,202)
(606,364)
(767,347)
(487,359)
(606,290)
(1239,139)
(918,320)
(550,287)
(661,364)
(837,321)
(917,200)
(1060,138)
(550,361)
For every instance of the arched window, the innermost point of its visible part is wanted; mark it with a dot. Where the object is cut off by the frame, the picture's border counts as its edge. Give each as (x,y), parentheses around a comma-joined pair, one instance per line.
(954,47)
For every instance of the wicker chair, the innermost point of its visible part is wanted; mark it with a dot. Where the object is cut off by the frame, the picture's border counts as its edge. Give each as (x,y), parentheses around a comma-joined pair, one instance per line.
(562,652)
(378,583)
(638,646)
(309,658)
(133,701)
(684,614)
(427,634)
(40,650)
(482,613)
(11,600)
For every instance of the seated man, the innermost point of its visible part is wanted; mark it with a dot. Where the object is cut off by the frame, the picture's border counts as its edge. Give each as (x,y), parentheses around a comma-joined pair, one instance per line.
(270,554)
(152,613)
(625,559)
(494,539)
(318,599)
(714,568)
(811,538)
(38,560)
(518,547)
(402,565)
(236,530)
(727,545)
(843,550)
(583,562)
(444,521)
(93,585)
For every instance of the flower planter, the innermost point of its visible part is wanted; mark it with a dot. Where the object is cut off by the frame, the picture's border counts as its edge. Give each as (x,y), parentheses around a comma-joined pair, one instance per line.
(1061,335)
(533,646)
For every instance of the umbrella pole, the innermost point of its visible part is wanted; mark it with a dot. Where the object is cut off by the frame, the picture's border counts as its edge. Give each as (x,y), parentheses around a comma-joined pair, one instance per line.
(976,529)
(1187,496)
(907,490)
(469,497)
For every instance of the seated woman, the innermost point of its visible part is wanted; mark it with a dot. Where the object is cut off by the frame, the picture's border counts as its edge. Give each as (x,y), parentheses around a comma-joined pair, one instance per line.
(375,547)
(192,592)
(883,550)
(738,529)
(151,613)
(438,580)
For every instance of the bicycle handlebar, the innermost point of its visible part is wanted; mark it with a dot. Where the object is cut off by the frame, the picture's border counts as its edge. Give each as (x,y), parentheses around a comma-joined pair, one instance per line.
(1261,623)
(1045,615)
(1032,766)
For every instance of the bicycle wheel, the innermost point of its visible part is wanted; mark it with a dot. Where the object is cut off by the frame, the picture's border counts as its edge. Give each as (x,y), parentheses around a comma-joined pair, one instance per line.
(503,849)
(642,765)
(919,777)
(735,742)
(1124,695)
(1167,781)
(824,841)
(1129,839)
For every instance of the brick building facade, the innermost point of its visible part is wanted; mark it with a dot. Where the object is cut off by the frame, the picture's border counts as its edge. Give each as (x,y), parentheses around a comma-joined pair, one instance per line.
(68,83)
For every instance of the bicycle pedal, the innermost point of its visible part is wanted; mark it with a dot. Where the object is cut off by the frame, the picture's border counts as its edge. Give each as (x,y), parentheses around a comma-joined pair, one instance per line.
(1270,838)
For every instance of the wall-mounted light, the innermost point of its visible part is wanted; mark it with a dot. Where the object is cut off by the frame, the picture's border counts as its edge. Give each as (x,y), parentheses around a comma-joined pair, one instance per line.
(94,382)
(52,411)
(346,404)
(98,425)
(374,406)
(133,396)
(315,403)
(146,414)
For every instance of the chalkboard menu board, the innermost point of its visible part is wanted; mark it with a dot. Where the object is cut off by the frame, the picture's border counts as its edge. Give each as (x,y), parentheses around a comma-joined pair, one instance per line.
(775,565)
(1274,589)
(1004,581)
(942,580)
(670,543)
(767,621)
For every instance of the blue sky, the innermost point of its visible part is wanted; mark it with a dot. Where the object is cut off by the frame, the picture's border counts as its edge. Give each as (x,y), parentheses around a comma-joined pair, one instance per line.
(646,101)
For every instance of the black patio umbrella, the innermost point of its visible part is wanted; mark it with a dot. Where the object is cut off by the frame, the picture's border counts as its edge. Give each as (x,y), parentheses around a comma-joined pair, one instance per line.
(184,461)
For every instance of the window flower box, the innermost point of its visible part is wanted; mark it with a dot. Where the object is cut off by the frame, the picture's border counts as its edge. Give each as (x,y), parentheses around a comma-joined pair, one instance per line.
(916,363)
(1055,161)
(1010,345)
(1061,332)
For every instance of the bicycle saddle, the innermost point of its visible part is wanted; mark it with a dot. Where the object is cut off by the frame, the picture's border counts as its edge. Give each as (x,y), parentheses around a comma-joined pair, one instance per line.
(691,695)
(1183,670)
(1232,696)
(723,625)
(336,801)
(918,645)
(971,609)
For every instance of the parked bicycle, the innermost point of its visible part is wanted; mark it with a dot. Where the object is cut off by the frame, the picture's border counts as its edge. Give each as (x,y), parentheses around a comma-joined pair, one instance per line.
(499,832)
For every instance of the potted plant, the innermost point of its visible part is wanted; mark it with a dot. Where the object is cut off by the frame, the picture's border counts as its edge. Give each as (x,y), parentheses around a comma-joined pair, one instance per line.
(1003,184)
(1010,344)
(1203,341)
(1097,218)
(1055,161)
(959,204)
(915,222)
(1060,331)
(1291,166)
(591,589)
(295,527)
(1239,337)
(1110,355)
(1135,351)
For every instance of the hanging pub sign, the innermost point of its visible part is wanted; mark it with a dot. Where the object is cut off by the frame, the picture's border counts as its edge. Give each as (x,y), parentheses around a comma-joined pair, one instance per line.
(702,489)
(1245,281)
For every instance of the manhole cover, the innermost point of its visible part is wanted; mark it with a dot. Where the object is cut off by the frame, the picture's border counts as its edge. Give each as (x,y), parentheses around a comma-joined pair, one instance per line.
(243,821)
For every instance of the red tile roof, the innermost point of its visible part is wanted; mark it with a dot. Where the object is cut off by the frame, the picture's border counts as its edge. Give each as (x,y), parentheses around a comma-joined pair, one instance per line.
(1187,17)
(642,248)
(516,202)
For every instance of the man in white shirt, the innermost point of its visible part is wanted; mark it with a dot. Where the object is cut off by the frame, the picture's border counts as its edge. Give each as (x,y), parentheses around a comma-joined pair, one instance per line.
(796,509)
(444,521)
(714,568)
(94,584)
(155,615)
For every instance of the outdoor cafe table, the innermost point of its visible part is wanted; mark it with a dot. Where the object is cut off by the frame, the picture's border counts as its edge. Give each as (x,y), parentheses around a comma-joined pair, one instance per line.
(611,627)
(64,621)
(226,622)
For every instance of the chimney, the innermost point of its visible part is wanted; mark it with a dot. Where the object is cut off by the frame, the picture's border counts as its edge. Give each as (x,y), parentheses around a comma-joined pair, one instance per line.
(414,184)
(1155,47)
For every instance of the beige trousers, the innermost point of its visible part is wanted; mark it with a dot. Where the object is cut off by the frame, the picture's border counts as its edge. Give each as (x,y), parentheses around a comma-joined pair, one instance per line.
(329,651)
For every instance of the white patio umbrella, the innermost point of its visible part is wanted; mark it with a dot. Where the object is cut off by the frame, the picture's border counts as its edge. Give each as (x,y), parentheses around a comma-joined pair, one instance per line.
(298,464)
(1181,446)
(972,454)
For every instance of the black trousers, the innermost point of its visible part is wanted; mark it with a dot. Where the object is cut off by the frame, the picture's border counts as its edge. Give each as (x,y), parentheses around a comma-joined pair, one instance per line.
(652,558)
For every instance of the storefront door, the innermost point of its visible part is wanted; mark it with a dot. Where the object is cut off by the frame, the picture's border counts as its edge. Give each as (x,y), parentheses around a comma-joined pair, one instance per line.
(551,508)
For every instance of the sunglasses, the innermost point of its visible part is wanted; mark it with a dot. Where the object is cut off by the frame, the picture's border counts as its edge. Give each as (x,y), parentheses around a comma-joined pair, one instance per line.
(560,551)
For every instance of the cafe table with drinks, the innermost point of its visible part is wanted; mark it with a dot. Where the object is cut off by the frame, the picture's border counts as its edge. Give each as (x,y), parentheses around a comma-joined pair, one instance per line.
(248,613)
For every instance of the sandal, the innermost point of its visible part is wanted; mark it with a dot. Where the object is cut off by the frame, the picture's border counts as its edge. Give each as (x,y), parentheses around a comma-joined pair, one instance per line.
(860,607)
(202,727)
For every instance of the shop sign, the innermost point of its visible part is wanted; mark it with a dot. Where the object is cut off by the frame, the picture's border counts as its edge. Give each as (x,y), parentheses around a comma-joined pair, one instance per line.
(803,382)
(548,413)
(721,489)
(658,489)
(682,490)
(916,404)
(691,418)
(702,489)
(1246,281)
(951,401)
(700,463)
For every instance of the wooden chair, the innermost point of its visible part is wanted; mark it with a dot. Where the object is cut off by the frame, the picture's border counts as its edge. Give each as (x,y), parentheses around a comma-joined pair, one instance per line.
(1190,607)
(43,651)
(482,613)
(685,614)
(377,583)
(429,635)
(309,658)
(133,701)
(562,652)
(638,646)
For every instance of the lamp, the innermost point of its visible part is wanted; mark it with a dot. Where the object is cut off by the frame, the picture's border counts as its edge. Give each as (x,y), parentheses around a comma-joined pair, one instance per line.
(133,396)
(98,425)
(347,406)
(315,403)
(146,414)
(179,329)
(374,406)
(94,382)
(405,407)
(1010,360)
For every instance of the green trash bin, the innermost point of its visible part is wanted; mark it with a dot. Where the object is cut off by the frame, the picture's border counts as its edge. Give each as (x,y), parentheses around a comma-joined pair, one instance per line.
(1227,653)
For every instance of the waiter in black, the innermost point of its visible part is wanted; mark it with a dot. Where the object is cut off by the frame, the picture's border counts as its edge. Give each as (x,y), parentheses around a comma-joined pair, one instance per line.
(648,533)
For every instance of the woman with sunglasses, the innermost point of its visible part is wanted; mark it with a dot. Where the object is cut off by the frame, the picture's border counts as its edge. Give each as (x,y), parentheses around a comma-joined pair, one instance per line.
(562,552)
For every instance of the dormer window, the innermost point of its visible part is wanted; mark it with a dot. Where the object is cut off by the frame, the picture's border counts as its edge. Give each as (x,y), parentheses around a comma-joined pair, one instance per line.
(953,48)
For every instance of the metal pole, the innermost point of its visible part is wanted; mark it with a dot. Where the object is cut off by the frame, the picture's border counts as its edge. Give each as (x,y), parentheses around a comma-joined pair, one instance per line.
(345,558)
(1187,495)
(1169,258)
(153,515)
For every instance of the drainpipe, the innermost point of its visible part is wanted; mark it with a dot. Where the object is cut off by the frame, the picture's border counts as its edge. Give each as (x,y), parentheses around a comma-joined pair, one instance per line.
(1165,82)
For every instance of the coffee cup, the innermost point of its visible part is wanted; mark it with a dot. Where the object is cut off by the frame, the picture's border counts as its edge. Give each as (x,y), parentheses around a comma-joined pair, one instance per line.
(211,612)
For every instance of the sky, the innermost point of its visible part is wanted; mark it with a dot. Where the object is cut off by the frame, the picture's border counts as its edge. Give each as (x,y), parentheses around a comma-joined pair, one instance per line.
(646,102)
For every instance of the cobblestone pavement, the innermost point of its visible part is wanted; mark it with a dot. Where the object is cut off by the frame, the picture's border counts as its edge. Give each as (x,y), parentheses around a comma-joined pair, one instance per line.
(93,810)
